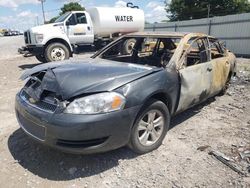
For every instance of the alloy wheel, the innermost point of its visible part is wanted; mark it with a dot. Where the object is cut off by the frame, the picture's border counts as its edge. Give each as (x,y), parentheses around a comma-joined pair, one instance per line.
(150,127)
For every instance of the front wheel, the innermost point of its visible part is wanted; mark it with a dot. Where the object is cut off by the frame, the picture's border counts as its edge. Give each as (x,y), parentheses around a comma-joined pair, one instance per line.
(56,52)
(150,127)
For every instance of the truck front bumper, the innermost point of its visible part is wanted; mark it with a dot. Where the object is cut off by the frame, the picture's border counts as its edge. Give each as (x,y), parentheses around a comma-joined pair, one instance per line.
(31,50)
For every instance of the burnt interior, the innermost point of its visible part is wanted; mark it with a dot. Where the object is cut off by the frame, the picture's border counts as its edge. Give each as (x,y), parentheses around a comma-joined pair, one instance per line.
(151,51)
(200,50)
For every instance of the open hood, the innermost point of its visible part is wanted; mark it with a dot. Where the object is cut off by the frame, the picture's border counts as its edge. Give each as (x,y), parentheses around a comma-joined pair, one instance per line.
(91,76)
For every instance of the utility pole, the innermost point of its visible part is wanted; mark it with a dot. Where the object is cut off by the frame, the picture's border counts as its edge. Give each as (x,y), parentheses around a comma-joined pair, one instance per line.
(42,2)
(208,21)
(37,20)
(208,10)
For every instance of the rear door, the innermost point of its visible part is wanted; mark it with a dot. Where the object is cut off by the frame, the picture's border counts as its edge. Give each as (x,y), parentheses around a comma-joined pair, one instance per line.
(221,66)
(79,29)
(195,74)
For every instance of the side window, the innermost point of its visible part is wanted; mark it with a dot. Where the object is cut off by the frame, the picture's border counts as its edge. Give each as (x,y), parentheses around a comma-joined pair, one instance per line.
(71,20)
(216,49)
(81,18)
(120,49)
(197,52)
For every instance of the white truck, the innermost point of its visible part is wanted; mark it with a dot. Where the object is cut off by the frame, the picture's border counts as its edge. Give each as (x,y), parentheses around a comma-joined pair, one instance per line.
(95,27)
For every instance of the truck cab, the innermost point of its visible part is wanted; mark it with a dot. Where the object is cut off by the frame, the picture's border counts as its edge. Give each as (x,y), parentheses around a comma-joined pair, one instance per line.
(78,27)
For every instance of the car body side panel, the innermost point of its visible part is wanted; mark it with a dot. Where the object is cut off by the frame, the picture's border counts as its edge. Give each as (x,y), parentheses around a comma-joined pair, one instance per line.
(221,69)
(164,82)
(195,85)
(232,61)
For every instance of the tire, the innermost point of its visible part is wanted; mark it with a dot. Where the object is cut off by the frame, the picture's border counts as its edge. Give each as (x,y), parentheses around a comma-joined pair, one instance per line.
(56,52)
(98,45)
(128,46)
(41,58)
(143,138)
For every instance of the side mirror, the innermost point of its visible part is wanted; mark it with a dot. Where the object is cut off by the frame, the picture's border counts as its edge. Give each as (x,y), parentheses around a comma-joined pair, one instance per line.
(67,23)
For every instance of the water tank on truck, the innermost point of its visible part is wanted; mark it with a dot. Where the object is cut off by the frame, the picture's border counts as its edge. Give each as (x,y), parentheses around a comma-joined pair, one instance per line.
(107,21)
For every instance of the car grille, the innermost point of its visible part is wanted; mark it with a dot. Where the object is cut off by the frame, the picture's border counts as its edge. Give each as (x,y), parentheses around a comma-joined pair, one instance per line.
(27,38)
(42,105)
(81,143)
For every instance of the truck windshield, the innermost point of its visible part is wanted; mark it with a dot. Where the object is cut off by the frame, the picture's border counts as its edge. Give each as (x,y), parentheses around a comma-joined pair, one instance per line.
(62,17)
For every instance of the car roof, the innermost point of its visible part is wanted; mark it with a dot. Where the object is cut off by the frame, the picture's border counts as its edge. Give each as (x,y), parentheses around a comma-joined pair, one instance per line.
(165,34)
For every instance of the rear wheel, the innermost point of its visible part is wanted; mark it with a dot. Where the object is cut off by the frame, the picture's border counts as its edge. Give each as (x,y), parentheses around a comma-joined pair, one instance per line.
(41,58)
(56,52)
(128,46)
(150,127)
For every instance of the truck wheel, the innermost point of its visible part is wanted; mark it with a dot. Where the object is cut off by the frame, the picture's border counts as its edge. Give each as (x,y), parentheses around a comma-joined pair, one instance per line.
(98,44)
(150,127)
(128,46)
(41,58)
(56,52)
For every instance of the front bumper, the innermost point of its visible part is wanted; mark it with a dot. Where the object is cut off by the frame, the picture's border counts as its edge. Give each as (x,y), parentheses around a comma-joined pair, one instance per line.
(83,134)
(32,50)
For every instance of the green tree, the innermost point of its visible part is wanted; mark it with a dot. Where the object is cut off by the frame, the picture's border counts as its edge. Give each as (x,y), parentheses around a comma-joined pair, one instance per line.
(73,6)
(195,9)
(52,20)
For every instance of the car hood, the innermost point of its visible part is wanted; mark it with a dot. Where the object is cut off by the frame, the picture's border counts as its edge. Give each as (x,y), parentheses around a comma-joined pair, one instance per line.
(47,27)
(69,79)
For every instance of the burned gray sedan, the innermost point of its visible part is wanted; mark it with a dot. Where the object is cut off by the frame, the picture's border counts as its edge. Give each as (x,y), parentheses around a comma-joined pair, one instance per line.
(123,95)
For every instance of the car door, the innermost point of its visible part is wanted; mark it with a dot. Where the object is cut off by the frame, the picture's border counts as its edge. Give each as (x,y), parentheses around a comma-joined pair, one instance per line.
(221,66)
(79,29)
(195,74)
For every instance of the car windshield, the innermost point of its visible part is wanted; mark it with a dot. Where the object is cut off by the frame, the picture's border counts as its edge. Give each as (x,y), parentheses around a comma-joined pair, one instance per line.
(62,18)
(150,51)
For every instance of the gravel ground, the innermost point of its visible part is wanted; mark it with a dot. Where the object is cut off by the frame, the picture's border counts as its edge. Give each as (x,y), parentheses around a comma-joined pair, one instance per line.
(9,46)
(223,123)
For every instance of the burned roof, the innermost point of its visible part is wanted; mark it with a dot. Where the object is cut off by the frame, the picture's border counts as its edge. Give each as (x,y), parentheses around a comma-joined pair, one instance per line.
(164,34)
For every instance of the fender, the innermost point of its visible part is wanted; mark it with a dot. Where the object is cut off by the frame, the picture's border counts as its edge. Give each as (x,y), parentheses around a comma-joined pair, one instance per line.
(63,40)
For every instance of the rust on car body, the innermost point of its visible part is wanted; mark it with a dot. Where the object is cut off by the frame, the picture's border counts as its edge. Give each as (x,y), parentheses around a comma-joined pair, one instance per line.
(211,75)
(215,72)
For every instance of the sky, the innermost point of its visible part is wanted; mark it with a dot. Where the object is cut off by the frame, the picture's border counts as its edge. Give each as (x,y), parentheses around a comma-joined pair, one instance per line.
(23,14)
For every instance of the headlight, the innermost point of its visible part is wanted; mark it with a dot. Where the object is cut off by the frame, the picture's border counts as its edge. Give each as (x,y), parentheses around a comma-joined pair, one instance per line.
(95,104)
(39,38)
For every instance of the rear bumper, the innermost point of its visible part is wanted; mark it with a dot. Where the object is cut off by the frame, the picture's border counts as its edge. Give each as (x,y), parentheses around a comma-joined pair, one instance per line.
(80,134)
(32,49)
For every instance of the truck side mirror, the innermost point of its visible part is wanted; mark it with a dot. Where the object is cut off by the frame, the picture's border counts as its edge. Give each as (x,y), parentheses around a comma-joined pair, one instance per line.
(67,23)
(71,20)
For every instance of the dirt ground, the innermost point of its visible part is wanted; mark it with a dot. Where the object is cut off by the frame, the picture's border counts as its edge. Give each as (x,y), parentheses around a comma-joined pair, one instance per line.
(222,123)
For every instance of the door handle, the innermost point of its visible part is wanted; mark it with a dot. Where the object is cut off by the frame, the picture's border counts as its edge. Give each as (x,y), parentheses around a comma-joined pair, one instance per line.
(209,69)
(88,28)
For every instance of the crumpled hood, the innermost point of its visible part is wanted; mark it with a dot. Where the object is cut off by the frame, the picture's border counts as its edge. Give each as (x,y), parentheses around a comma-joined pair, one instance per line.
(71,79)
